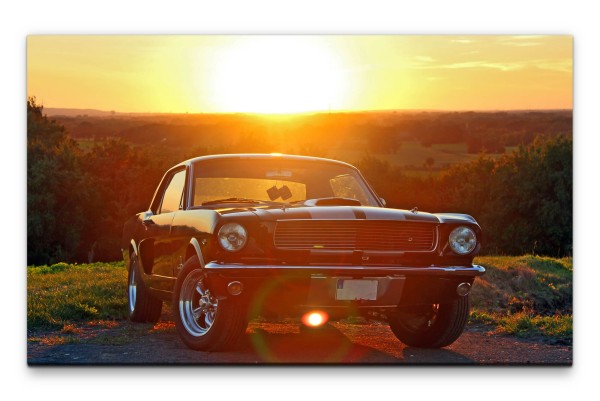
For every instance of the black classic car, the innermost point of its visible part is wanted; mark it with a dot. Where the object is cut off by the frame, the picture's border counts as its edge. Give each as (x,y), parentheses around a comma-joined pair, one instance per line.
(229,237)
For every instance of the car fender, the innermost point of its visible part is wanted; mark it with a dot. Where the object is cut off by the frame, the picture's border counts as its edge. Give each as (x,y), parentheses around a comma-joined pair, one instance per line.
(134,248)
(126,251)
(196,245)
(135,254)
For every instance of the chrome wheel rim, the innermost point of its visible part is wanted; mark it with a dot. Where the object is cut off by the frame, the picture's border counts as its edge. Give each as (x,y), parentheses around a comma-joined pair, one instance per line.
(197,306)
(132,286)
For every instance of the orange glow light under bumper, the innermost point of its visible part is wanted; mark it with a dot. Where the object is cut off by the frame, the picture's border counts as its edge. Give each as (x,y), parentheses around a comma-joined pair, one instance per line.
(315,318)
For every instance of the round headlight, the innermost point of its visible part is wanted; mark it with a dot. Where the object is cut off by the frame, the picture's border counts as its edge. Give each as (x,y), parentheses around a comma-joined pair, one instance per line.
(463,240)
(232,237)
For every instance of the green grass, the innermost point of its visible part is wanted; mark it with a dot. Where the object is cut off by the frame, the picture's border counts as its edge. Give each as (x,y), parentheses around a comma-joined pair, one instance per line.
(513,284)
(526,296)
(527,324)
(62,293)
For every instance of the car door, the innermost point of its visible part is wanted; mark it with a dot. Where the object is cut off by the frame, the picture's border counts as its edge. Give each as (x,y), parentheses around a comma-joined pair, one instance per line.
(156,247)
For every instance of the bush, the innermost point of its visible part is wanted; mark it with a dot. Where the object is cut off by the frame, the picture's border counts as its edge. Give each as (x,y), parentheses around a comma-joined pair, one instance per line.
(522,200)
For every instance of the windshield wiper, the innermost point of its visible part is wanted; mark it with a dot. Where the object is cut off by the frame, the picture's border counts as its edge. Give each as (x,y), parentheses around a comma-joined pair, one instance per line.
(333,201)
(232,200)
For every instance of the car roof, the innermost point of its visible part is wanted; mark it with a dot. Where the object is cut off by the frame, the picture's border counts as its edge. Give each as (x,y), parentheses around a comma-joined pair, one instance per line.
(263,156)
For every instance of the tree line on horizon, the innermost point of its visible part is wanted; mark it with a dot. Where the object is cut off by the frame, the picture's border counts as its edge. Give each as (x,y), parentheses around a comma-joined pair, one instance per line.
(383,133)
(78,200)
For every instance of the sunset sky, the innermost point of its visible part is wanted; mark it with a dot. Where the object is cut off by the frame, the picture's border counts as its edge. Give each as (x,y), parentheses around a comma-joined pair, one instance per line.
(284,74)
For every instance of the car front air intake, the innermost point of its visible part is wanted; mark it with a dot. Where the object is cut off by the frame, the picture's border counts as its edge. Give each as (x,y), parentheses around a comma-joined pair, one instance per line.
(363,235)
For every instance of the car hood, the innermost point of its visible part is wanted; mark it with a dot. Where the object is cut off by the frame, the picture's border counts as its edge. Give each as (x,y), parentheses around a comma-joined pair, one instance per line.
(274,213)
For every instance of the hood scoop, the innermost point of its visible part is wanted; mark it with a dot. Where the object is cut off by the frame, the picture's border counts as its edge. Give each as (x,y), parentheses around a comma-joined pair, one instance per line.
(332,202)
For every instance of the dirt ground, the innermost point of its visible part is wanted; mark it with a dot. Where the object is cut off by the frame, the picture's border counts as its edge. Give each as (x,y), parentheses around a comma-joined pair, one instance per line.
(125,343)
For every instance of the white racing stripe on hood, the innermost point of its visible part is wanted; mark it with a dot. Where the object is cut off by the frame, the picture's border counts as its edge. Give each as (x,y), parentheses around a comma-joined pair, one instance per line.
(373,213)
(337,213)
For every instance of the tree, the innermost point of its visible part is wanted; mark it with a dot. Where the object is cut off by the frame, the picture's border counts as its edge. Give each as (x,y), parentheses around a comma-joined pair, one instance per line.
(55,215)
(429,162)
(522,200)
(121,182)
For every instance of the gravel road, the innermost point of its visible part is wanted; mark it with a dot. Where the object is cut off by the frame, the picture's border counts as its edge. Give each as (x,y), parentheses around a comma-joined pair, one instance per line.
(124,343)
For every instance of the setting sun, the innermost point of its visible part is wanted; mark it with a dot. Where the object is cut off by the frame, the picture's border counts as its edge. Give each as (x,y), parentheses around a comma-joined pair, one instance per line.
(277,75)
(296,74)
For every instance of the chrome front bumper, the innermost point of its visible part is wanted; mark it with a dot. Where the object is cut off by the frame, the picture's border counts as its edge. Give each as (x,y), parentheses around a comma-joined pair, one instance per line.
(318,285)
(232,269)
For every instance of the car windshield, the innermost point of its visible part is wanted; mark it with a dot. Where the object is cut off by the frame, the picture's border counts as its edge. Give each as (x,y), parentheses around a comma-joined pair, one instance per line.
(277,180)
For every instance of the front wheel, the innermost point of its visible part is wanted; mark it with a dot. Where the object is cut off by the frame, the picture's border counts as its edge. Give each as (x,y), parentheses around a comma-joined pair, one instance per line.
(205,323)
(430,326)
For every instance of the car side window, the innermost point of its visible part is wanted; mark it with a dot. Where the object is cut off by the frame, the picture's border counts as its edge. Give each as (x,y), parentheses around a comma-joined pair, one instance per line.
(173,195)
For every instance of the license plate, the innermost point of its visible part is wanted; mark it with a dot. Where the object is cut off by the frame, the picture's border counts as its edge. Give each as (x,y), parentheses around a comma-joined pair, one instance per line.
(352,290)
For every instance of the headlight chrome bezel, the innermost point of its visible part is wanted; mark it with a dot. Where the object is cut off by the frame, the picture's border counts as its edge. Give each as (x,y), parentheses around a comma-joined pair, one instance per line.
(232,237)
(462,240)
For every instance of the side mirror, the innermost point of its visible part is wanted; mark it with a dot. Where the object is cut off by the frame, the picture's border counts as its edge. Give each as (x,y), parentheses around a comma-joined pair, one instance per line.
(382,202)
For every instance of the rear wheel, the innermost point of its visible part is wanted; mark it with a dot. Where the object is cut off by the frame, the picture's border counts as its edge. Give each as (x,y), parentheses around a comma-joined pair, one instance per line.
(143,307)
(204,322)
(430,326)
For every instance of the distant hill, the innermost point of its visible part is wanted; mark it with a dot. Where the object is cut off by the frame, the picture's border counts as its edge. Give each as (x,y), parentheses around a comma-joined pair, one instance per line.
(78,112)
(66,112)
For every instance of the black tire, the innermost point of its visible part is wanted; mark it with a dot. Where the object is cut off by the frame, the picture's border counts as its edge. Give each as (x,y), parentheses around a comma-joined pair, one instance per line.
(203,322)
(435,326)
(142,306)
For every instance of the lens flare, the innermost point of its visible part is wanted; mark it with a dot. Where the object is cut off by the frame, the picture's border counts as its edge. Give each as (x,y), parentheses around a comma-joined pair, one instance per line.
(315,318)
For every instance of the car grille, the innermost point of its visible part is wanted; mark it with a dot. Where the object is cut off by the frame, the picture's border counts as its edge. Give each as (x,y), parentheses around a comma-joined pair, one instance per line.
(364,235)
